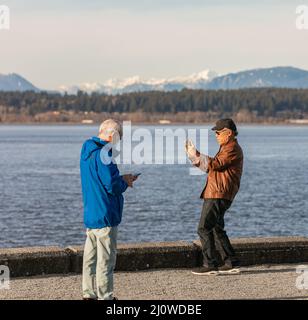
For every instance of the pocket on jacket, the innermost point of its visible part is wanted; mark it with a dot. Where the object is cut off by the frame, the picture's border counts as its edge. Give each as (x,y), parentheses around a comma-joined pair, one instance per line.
(219,184)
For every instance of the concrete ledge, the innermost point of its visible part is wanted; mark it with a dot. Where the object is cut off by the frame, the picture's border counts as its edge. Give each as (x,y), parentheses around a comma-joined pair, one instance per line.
(35,261)
(143,256)
(254,251)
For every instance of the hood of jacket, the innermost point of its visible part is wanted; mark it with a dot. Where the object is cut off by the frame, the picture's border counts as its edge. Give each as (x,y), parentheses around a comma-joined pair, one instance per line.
(91,146)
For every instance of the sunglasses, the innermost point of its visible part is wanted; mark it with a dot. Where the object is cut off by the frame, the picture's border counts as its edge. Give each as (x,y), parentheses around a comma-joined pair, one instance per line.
(221,131)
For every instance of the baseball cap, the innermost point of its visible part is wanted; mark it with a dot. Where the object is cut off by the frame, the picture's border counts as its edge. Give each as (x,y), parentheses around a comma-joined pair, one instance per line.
(225,123)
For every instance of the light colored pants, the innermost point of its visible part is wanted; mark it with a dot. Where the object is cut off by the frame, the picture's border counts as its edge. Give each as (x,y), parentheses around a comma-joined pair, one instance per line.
(99,260)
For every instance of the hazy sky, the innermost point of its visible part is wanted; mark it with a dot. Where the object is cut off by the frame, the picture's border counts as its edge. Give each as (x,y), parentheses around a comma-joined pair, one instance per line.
(55,42)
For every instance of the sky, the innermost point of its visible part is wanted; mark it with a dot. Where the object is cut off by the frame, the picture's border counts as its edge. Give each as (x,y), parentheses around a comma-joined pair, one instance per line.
(65,42)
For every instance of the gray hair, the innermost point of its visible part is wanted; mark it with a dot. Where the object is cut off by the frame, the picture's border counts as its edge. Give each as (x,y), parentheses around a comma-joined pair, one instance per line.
(110,126)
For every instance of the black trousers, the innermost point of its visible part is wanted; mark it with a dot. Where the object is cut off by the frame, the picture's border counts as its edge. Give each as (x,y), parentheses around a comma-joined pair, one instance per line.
(211,226)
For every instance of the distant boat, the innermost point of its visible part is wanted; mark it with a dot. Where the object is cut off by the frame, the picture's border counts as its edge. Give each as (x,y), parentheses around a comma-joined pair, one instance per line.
(164,121)
(87,121)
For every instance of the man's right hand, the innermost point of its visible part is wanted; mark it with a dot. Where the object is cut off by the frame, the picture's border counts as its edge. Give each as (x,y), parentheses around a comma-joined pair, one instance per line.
(129,179)
(190,149)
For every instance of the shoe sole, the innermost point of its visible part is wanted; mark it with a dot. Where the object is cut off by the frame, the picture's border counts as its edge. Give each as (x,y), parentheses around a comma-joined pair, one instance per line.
(210,273)
(231,271)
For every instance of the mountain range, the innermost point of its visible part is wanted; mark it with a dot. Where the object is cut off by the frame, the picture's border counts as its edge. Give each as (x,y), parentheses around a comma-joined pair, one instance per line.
(15,82)
(134,84)
(279,77)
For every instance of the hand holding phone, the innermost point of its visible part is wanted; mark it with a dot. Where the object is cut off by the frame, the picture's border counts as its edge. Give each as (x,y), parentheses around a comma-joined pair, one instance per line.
(136,175)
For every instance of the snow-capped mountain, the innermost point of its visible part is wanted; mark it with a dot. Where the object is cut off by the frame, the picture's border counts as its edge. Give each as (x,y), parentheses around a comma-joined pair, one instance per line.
(14,82)
(136,83)
(282,77)
(279,77)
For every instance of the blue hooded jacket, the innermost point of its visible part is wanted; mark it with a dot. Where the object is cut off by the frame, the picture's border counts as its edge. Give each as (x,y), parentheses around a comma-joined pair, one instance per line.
(102,187)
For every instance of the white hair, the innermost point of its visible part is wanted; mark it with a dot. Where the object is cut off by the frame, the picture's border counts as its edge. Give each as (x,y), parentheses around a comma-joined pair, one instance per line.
(110,126)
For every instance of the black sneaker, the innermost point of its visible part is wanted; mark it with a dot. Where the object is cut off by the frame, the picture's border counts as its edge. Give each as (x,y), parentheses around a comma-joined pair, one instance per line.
(205,271)
(235,262)
(228,268)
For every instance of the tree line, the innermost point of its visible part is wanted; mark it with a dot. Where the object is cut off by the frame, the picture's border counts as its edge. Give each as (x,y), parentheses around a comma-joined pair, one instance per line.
(264,102)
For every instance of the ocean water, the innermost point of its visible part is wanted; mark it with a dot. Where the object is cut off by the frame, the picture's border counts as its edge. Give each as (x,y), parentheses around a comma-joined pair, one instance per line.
(40,192)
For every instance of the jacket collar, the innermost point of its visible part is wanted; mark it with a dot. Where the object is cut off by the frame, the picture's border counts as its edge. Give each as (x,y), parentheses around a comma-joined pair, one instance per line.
(98,141)
(230,144)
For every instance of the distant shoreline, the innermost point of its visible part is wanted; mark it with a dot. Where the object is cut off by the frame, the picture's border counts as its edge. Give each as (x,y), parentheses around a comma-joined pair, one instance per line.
(136,123)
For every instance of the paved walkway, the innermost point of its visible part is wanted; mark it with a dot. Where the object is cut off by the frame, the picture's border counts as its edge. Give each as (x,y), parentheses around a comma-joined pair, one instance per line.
(262,282)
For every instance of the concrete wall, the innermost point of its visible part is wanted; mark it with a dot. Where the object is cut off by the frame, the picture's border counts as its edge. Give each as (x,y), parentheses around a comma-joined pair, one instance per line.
(142,256)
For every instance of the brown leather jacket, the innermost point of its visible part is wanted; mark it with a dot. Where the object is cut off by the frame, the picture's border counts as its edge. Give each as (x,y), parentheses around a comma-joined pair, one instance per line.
(224,172)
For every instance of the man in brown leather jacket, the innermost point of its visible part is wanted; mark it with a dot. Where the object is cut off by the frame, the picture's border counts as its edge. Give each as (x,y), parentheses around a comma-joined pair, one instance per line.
(223,182)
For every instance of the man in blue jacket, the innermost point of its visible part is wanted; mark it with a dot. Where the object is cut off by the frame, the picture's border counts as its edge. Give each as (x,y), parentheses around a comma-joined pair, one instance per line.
(102,188)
